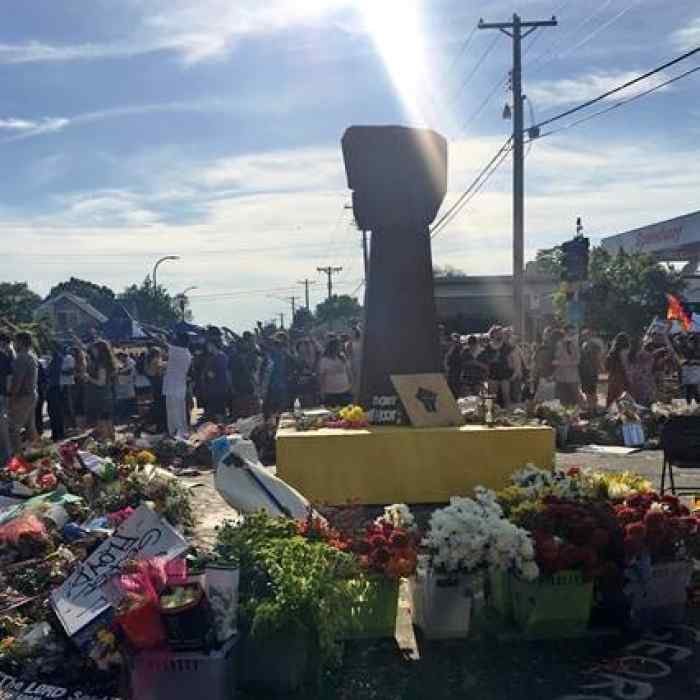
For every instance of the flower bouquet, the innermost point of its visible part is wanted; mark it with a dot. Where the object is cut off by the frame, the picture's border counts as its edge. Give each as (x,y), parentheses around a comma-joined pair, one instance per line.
(352,417)
(661,538)
(386,553)
(465,539)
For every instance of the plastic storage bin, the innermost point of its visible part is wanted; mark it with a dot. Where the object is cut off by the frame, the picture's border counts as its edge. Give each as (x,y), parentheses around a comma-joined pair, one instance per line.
(166,675)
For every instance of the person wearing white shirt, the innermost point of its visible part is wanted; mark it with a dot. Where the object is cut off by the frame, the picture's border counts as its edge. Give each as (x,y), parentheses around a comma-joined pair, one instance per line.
(175,385)
(125,387)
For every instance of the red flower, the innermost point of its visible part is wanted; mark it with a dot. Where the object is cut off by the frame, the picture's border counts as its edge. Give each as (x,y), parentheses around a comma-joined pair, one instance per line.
(627,515)
(47,481)
(672,502)
(655,521)
(574,472)
(636,532)
(399,539)
(377,541)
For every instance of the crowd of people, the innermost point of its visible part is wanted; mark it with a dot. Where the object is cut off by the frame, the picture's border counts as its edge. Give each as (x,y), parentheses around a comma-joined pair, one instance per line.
(93,386)
(568,365)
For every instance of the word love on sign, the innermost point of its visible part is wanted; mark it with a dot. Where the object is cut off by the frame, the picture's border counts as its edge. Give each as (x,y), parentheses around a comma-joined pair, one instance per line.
(12,688)
(144,535)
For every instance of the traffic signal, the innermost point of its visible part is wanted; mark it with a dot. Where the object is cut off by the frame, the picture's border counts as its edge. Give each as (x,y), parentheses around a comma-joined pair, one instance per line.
(575,259)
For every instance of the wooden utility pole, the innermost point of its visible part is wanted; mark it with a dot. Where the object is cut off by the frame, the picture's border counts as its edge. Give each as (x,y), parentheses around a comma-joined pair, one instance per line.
(306,283)
(330,271)
(515,31)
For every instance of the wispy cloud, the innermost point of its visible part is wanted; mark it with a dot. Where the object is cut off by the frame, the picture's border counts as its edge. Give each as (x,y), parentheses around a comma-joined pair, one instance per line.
(32,127)
(689,37)
(197,30)
(556,93)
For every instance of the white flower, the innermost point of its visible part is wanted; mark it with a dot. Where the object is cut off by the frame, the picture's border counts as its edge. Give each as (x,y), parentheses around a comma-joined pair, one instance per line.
(530,571)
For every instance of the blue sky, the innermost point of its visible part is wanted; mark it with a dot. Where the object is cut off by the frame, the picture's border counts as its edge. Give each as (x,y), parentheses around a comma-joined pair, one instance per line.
(210,129)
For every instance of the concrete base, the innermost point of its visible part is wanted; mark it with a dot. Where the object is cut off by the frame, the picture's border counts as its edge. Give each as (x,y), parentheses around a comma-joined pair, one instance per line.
(380,465)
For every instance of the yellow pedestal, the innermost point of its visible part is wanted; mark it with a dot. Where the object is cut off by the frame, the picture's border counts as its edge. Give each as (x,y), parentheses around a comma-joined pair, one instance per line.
(391,464)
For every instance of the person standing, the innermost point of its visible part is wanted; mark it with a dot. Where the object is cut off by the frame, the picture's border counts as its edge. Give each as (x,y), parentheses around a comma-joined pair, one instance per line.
(589,368)
(175,385)
(308,358)
(335,375)
(216,380)
(101,374)
(42,387)
(78,389)
(67,384)
(23,393)
(690,368)
(474,371)
(516,363)
(154,366)
(54,396)
(125,388)
(616,366)
(279,370)
(495,355)
(6,360)
(640,374)
(567,357)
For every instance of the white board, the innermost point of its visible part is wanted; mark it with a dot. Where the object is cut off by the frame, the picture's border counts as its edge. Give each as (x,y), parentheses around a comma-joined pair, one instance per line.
(144,535)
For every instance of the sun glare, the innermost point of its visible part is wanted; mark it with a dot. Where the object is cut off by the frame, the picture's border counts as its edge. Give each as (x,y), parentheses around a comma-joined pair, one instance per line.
(396,28)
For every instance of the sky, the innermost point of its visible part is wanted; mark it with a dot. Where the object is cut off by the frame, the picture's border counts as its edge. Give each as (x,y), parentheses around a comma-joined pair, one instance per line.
(210,130)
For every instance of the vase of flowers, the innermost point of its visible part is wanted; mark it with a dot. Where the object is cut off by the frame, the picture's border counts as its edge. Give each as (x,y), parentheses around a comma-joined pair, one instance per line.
(387,552)
(661,537)
(465,539)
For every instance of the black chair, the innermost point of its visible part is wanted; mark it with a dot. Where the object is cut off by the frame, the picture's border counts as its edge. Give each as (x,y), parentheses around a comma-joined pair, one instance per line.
(680,441)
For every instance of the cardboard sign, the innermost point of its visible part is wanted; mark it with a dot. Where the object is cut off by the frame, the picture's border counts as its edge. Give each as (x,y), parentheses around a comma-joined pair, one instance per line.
(427,400)
(144,535)
(12,688)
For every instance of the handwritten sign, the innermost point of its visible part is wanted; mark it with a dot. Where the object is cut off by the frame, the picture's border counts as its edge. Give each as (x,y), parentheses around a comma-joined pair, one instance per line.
(142,536)
(12,688)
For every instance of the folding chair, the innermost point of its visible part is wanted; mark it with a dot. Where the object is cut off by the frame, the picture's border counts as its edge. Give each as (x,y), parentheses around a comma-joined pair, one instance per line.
(680,441)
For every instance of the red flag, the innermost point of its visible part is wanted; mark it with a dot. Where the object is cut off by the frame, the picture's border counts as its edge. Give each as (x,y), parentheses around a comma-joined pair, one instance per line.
(677,311)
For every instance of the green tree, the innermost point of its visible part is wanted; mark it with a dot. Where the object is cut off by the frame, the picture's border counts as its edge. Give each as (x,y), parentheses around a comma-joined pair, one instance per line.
(625,291)
(338,308)
(150,305)
(548,261)
(18,302)
(99,296)
(448,272)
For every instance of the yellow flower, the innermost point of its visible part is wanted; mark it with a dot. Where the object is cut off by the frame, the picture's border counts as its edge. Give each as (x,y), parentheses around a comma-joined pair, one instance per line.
(6,643)
(107,638)
(145,457)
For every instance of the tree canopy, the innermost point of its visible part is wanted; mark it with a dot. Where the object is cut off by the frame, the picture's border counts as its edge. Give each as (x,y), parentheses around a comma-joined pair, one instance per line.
(624,292)
(548,261)
(149,305)
(99,296)
(338,308)
(18,302)
(303,319)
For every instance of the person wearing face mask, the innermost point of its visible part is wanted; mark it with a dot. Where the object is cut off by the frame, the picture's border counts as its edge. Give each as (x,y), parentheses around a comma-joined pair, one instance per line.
(567,358)
(495,356)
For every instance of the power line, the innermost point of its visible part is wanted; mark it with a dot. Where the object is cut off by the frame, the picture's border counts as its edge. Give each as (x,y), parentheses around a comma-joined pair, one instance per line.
(462,50)
(474,70)
(624,86)
(556,11)
(455,211)
(599,29)
(436,226)
(475,115)
(622,103)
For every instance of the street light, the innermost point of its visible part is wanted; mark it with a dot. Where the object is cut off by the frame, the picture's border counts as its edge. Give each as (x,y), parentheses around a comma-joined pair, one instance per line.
(183,300)
(155,270)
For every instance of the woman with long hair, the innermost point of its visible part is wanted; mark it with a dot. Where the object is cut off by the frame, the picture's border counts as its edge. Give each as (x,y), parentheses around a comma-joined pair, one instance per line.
(567,357)
(335,376)
(616,367)
(99,398)
(640,374)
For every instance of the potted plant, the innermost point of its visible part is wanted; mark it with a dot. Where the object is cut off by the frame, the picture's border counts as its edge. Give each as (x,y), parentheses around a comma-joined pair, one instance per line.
(465,539)
(294,591)
(661,539)
(576,543)
(386,553)
(185,616)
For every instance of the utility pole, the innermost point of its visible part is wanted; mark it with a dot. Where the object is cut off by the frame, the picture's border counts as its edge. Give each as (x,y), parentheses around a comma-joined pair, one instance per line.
(330,271)
(515,31)
(281,321)
(306,283)
(293,301)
